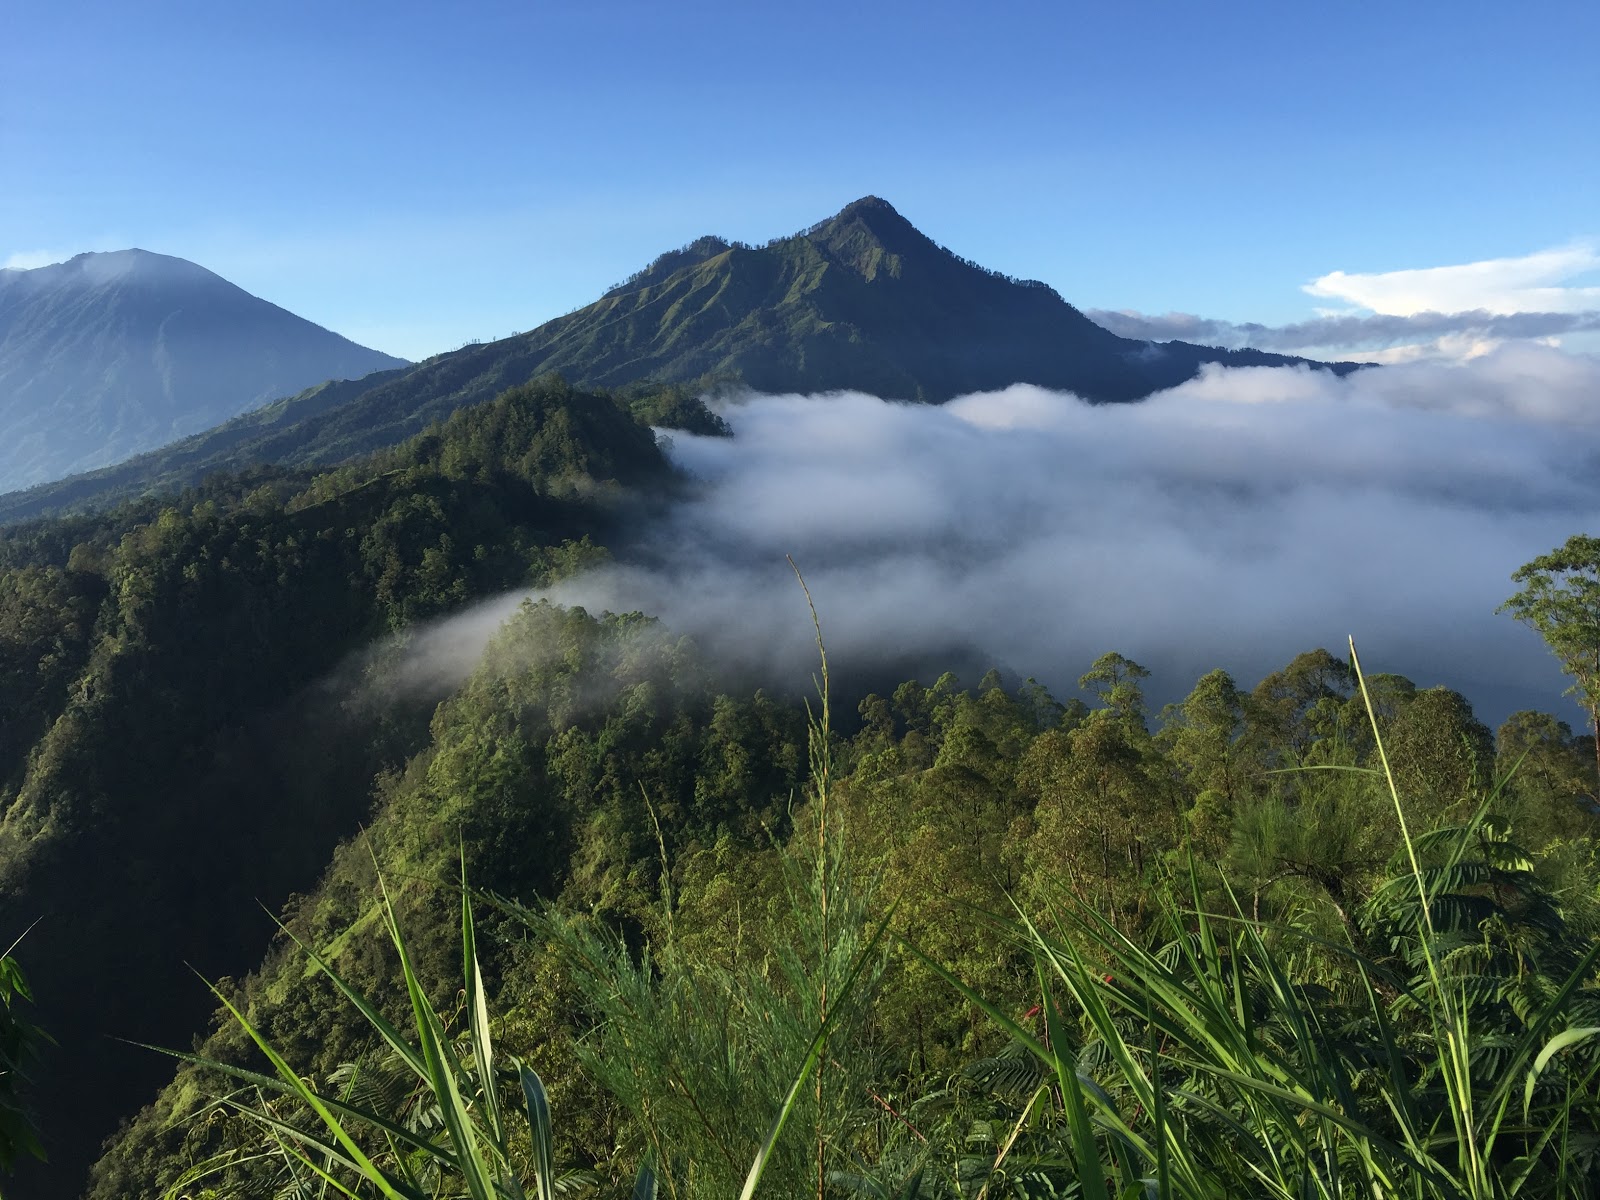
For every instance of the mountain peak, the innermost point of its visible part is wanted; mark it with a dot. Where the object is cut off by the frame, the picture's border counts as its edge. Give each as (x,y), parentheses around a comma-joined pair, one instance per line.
(111,353)
(96,267)
(875,214)
(134,261)
(869,235)
(868,204)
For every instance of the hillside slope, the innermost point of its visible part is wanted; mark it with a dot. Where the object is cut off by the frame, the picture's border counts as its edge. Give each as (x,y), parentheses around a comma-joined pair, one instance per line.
(185,737)
(107,355)
(862,301)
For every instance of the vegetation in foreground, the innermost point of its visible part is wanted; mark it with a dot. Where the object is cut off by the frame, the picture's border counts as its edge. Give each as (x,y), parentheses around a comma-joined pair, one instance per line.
(1310,940)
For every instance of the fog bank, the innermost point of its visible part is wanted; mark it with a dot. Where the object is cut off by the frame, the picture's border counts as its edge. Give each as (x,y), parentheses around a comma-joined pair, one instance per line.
(1233,521)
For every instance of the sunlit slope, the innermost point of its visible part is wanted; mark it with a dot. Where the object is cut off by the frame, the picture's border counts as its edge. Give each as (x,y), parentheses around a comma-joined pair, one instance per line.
(861,301)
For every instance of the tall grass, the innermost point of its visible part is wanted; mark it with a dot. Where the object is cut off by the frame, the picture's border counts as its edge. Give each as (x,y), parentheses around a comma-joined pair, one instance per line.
(712,1064)
(347,1141)
(20,1045)
(1205,1068)
(713,1061)
(1451,1053)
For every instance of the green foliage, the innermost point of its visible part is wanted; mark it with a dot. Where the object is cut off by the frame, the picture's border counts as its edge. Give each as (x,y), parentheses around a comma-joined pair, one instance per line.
(1560,598)
(21,1043)
(656,861)
(46,616)
(1114,681)
(1299,1011)
(333,428)
(169,757)
(674,406)
(348,1135)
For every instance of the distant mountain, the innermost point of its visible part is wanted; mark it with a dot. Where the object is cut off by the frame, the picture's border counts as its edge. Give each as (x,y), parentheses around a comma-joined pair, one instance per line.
(107,355)
(860,301)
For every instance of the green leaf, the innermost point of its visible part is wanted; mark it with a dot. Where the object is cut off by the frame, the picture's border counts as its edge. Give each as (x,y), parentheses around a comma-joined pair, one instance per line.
(539,1126)
(1567,1037)
(644,1184)
(764,1155)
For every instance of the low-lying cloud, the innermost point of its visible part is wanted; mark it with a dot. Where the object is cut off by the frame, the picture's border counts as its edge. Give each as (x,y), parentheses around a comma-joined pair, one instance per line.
(1233,521)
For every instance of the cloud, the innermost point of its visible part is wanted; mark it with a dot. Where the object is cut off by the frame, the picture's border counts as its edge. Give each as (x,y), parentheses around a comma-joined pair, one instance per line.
(28,260)
(1501,286)
(1449,313)
(1450,336)
(1234,521)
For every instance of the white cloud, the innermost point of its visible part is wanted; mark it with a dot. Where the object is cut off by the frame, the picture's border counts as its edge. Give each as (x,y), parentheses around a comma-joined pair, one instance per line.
(1451,347)
(28,260)
(1233,521)
(1449,337)
(1499,286)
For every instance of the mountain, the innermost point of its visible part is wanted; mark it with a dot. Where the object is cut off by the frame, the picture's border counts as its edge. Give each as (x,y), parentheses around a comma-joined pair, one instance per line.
(107,355)
(860,301)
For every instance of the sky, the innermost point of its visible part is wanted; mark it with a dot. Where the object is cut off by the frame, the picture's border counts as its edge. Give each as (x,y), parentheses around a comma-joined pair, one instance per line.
(415,176)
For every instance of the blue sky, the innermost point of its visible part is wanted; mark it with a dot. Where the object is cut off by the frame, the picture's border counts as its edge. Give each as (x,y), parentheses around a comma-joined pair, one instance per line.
(417,175)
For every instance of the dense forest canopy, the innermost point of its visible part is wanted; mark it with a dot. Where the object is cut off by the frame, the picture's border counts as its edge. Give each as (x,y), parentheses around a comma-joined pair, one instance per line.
(1047,940)
(168,758)
(608,803)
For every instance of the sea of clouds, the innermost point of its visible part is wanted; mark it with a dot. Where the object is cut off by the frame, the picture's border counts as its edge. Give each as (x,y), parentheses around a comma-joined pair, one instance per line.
(1233,521)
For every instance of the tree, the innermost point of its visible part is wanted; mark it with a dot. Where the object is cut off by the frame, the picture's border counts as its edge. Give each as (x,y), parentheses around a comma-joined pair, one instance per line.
(1441,754)
(1560,598)
(1295,709)
(1115,681)
(1547,767)
(1203,735)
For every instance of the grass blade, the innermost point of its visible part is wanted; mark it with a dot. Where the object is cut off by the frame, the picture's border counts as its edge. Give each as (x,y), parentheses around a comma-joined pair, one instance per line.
(539,1127)
(764,1155)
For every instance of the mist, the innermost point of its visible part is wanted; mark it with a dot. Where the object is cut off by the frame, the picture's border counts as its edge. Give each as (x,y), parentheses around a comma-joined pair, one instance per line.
(1234,521)
(1350,334)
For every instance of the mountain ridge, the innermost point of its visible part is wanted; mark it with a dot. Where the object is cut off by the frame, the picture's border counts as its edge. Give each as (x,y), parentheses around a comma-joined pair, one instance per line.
(860,301)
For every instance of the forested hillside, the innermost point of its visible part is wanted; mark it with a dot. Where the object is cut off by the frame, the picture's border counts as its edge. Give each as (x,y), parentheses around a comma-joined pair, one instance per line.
(948,602)
(1009,943)
(663,964)
(170,756)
